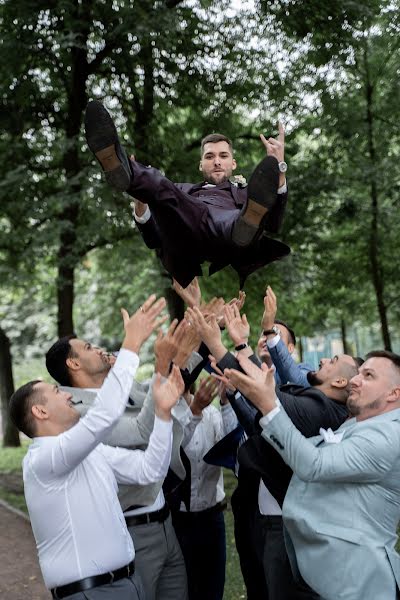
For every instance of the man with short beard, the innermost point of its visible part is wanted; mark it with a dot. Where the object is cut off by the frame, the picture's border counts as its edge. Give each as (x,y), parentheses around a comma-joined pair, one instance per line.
(71,477)
(342,507)
(323,405)
(216,220)
(81,368)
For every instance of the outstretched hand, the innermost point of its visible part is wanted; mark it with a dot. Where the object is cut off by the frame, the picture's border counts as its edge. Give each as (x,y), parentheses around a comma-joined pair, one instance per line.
(236,325)
(190,342)
(142,323)
(205,394)
(276,147)
(191,295)
(167,345)
(167,393)
(258,385)
(208,329)
(270,309)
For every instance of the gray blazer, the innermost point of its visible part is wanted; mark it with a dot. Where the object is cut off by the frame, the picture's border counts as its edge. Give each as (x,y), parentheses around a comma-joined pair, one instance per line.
(342,507)
(133,431)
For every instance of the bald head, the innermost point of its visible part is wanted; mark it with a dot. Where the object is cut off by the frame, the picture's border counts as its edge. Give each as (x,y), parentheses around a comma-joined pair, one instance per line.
(334,375)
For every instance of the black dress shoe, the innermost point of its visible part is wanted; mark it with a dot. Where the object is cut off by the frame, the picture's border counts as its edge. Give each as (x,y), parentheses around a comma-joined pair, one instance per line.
(102,139)
(262,193)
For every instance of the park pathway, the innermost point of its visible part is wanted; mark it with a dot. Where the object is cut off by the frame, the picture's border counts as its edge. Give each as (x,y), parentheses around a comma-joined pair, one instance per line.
(20,577)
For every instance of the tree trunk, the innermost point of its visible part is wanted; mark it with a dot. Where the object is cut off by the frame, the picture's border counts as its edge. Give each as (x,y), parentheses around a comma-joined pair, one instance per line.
(343,330)
(68,254)
(176,306)
(10,432)
(300,349)
(376,270)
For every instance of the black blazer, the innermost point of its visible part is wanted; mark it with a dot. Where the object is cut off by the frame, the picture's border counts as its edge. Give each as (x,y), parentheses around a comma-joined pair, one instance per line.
(308,408)
(182,226)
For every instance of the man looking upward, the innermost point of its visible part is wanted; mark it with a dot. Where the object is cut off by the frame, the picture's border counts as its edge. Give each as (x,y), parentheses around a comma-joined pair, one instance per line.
(70,477)
(342,506)
(82,368)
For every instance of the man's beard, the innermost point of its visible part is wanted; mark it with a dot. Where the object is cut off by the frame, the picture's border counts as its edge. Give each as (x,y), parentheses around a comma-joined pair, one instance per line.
(356,409)
(313,378)
(210,179)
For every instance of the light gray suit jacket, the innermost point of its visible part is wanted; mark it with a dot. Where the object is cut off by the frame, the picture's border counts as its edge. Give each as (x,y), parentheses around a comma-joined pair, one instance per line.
(342,506)
(133,431)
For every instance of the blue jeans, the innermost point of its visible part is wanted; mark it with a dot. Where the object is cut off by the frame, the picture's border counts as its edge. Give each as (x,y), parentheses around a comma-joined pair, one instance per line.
(202,539)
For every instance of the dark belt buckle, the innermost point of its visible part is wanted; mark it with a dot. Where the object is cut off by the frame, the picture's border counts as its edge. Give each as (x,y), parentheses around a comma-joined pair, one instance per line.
(111,575)
(55,595)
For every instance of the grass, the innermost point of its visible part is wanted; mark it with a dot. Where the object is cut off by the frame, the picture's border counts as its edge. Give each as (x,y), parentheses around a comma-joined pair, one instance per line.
(11,458)
(10,462)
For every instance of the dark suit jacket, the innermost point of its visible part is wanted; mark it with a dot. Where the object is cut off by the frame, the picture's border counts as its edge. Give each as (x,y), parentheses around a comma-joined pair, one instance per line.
(191,224)
(308,408)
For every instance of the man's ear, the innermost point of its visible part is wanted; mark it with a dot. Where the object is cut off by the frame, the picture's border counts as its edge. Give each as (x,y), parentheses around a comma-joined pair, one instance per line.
(40,412)
(340,383)
(73,364)
(234,165)
(200,166)
(290,347)
(394,395)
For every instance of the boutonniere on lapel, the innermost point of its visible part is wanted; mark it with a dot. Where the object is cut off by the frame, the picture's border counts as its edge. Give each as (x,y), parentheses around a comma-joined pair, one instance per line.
(330,437)
(238,181)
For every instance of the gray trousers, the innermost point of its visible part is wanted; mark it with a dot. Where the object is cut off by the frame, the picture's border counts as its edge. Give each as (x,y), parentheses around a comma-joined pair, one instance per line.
(159,561)
(129,588)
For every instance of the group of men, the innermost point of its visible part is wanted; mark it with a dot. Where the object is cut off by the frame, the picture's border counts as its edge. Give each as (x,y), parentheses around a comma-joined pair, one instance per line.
(123,478)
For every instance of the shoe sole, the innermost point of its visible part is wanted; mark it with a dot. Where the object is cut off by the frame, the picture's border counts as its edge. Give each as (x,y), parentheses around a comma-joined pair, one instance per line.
(261,196)
(101,137)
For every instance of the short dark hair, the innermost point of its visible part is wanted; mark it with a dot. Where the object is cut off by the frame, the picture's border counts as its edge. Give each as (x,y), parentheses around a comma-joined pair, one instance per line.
(214,138)
(358,360)
(56,359)
(394,358)
(292,337)
(20,406)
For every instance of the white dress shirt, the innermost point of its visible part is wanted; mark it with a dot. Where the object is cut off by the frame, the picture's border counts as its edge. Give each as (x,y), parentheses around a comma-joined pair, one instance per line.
(71,485)
(207,484)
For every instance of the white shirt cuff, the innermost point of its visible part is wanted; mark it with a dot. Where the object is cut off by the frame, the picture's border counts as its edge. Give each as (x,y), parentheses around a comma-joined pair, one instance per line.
(127,361)
(162,427)
(273,341)
(145,217)
(269,416)
(282,189)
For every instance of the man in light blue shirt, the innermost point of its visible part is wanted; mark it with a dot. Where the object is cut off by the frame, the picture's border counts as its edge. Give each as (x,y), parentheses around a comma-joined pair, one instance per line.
(342,507)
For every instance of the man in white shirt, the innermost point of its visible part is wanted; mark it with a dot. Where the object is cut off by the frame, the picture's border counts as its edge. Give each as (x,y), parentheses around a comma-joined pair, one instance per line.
(83,368)
(71,478)
(200,525)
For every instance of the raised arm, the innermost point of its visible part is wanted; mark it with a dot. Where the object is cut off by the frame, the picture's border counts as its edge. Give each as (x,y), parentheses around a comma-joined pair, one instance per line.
(151,465)
(72,446)
(365,456)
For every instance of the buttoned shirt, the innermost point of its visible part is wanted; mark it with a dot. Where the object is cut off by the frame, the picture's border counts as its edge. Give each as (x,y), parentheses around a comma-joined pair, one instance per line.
(71,485)
(202,433)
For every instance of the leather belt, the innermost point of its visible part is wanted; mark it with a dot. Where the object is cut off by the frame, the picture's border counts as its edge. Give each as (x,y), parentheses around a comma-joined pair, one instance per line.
(91,582)
(150,517)
(219,507)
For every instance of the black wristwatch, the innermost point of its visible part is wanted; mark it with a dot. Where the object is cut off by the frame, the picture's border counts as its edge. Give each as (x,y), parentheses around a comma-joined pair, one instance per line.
(241,347)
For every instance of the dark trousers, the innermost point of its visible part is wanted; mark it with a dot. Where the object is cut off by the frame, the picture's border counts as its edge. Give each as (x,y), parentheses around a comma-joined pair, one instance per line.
(278,574)
(202,539)
(249,538)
